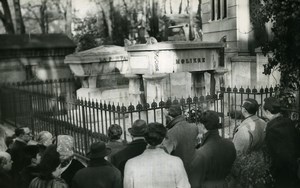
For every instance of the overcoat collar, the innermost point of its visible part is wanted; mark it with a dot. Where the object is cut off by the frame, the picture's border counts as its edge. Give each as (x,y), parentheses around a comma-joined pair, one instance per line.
(175,121)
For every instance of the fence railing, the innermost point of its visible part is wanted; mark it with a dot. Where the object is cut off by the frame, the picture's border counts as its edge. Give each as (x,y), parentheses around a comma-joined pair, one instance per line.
(87,120)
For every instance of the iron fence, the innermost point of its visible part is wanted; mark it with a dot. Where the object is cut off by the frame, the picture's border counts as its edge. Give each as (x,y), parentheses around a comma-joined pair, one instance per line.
(88,120)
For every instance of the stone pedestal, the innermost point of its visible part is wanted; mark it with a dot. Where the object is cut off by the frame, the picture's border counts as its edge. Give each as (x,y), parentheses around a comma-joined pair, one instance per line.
(154,87)
(135,94)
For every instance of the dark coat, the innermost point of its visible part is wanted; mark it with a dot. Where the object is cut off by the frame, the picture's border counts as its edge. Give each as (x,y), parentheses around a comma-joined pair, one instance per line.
(181,140)
(6,180)
(98,174)
(28,174)
(283,146)
(20,159)
(72,169)
(212,162)
(133,149)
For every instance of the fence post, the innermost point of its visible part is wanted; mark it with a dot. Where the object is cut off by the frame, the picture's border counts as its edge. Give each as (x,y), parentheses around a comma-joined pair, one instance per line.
(84,124)
(31,114)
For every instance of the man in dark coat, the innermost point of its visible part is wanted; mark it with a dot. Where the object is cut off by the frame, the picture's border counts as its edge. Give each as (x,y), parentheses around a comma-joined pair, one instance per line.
(283,145)
(134,148)
(99,173)
(213,160)
(181,138)
(18,155)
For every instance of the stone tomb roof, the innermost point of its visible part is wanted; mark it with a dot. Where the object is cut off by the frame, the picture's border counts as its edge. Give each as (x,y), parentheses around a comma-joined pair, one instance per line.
(105,53)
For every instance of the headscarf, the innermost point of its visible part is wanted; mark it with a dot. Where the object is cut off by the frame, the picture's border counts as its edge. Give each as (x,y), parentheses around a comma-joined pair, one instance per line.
(65,146)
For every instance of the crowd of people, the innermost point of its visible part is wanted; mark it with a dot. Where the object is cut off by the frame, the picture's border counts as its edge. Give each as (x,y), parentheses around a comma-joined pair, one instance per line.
(159,156)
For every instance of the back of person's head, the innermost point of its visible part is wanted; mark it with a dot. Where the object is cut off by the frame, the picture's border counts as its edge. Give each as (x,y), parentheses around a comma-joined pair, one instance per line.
(19,131)
(138,128)
(44,138)
(175,110)
(5,161)
(114,132)
(250,105)
(272,104)
(210,120)
(155,133)
(49,162)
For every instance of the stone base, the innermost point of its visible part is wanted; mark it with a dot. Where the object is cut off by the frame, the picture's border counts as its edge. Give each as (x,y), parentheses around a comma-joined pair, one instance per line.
(110,95)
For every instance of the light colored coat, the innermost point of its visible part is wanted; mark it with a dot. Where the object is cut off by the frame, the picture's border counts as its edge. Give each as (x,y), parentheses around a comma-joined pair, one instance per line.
(250,134)
(155,169)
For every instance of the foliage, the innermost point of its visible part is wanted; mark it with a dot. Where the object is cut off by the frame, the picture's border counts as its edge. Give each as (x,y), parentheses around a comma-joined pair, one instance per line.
(194,115)
(89,33)
(252,169)
(285,44)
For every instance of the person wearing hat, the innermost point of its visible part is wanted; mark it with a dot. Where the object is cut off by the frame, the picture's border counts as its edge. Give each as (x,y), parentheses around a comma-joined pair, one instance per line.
(99,173)
(115,142)
(282,141)
(213,161)
(250,133)
(134,148)
(154,167)
(181,138)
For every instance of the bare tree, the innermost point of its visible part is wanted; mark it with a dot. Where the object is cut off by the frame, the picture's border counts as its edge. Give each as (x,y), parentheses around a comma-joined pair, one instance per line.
(6,18)
(68,18)
(20,27)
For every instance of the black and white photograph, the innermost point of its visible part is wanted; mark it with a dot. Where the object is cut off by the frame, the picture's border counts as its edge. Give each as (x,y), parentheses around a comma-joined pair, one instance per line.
(149,93)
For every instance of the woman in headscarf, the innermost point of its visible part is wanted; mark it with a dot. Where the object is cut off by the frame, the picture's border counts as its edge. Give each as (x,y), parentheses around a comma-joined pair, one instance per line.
(69,165)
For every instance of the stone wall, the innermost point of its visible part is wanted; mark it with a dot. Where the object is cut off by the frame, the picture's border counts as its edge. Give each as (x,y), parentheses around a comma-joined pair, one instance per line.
(26,68)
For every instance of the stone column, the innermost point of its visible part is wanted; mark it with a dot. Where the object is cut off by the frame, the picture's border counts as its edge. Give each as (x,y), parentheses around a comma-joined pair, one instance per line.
(154,87)
(134,90)
(219,78)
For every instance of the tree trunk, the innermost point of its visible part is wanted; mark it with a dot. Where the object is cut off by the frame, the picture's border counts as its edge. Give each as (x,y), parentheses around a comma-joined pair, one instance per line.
(68,21)
(43,15)
(20,27)
(105,7)
(6,18)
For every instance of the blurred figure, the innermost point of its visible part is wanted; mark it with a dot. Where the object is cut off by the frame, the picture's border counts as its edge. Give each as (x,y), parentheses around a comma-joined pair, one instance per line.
(115,142)
(6,180)
(17,152)
(32,171)
(154,167)
(283,145)
(44,138)
(99,173)
(3,146)
(9,141)
(214,159)
(68,164)
(181,138)
(134,148)
(250,133)
(49,171)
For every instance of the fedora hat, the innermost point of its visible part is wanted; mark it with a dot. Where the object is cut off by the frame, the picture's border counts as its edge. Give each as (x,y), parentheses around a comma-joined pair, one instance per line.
(138,128)
(98,150)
